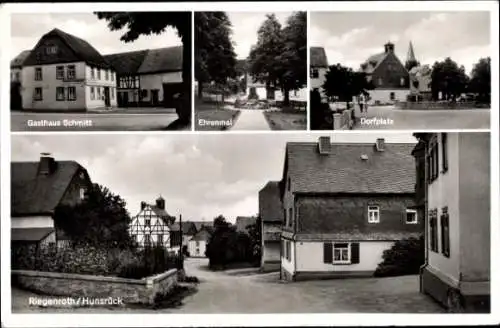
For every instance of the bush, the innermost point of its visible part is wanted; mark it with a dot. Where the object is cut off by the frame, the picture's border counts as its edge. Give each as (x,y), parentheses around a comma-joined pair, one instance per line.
(405,257)
(321,115)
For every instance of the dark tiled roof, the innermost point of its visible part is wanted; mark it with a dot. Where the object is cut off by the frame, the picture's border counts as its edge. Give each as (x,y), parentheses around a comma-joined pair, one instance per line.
(270,208)
(29,234)
(82,49)
(162,60)
(200,224)
(187,227)
(19,60)
(373,61)
(39,194)
(126,62)
(318,57)
(242,223)
(343,170)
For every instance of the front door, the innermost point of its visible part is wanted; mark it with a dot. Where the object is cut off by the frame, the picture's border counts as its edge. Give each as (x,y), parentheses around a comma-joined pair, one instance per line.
(154,97)
(107,101)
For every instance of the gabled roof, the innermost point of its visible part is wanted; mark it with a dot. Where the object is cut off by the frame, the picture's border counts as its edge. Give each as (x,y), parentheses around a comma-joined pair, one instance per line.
(270,208)
(242,222)
(187,227)
(318,57)
(30,234)
(391,171)
(35,194)
(18,61)
(200,224)
(81,48)
(162,60)
(374,61)
(126,62)
(203,235)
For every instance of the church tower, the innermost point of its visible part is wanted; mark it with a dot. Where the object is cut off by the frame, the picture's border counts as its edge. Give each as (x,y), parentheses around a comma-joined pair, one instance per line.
(411,61)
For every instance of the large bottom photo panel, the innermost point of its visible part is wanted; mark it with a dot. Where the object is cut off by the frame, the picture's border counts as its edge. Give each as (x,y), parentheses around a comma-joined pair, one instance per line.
(255,223)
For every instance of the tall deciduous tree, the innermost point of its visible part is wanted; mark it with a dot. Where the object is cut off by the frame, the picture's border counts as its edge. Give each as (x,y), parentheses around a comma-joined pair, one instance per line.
(480,82)
(147,23)
(101,219)
(215,59)
(449,79)
(264,59)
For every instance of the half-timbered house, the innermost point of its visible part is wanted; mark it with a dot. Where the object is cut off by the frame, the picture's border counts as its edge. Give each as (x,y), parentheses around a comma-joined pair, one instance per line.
(152,225)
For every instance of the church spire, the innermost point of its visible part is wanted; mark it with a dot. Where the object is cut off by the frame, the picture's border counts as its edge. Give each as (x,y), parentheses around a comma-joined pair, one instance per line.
(411,54)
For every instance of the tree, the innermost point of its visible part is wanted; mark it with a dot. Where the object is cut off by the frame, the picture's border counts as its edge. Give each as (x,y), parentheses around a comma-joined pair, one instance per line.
(215,59)
(100,220)
(409,64)
(294,55)
(264,60)
(480,82)
(255,242)
(147,23)
(449,79)
(403,258)
(321,115)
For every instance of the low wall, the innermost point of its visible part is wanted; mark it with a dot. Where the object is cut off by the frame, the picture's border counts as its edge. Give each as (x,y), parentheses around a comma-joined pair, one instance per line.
(132,291)
(429,105)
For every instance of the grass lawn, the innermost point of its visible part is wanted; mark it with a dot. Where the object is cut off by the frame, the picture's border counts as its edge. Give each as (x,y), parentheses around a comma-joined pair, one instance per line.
(212,113)
(286,121)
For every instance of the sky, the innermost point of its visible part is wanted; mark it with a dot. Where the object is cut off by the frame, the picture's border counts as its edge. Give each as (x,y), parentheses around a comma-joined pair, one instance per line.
(350,38)
(27,29)
(246,26)
(200,176)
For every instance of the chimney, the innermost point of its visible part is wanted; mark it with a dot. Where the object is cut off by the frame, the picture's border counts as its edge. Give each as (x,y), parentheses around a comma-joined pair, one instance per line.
(160,203)
(47,164)
(380,144)
(389,47)
(324,145)
(143,205)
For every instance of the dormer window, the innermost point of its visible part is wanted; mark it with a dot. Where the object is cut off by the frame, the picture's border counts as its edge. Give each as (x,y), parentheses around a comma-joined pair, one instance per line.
(51,50)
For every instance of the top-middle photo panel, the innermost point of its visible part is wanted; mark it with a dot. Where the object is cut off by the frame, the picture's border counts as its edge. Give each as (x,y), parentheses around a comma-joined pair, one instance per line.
(250,71)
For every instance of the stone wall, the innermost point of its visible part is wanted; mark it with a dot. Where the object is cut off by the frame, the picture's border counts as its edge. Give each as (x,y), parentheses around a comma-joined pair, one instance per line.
(132,291)
(428,105)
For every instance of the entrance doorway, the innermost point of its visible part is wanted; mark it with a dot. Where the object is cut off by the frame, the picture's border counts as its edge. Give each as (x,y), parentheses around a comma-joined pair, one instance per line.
(155,97)
(107,101)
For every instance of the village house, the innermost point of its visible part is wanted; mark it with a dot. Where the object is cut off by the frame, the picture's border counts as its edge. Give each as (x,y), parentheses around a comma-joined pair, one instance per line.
(151,226)
(148,78)
(37,189)
(388,75)
(244,222)
(318,68)
(16,67)
(344,205)
(188,231)
(456,183)
(197,245)
(65,73)
(271,215)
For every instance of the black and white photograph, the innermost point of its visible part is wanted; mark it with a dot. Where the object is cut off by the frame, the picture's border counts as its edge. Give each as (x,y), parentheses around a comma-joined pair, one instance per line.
(400,70)
(101,71)
(250,71)
(211,226)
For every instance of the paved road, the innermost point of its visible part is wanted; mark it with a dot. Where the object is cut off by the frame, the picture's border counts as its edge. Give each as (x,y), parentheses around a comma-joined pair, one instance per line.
(248,292)
(90,121)
(251,120)
(425,119)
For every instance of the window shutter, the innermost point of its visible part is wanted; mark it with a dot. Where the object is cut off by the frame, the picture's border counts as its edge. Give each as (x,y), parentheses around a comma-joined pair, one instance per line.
(354,253)
(327,253)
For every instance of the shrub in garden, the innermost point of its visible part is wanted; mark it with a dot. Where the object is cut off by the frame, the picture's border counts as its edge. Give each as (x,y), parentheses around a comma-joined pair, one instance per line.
(403,258)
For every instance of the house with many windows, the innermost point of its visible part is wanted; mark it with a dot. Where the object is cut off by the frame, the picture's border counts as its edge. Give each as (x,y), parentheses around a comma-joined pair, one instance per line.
(388,75)
(65,73)
(344,204)
(151,77)
(271,220)
(456,183)
(318,68)
(37,189)
(151,226)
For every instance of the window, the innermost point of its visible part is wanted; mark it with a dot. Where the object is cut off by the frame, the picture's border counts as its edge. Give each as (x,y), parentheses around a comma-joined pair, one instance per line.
(147,239)
(144,93)
(82,193)
(433,161)
(17,76)
(38,94)
(433,237)
(59,72)
(92,93)
(373,214)
(38,74)
(197,243)
(289,183)
(392,95)
(71,72)
(402,81)
(160,240)
(98,73)
(288,251)
(314,73)
(147,222)
(112,92)
(411,217)
(341,253)
(99,93)
(112,76)
(51,50)
(60,93)
(106,74)
(445,232)
(92,73)
(290,221)
(71,93)
(444,150)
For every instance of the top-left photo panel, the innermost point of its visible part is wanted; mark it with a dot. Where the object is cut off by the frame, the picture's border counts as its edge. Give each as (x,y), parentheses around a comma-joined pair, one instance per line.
(101,71)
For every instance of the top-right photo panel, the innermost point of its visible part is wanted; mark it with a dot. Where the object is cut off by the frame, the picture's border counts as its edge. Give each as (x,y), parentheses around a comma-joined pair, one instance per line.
(400,70)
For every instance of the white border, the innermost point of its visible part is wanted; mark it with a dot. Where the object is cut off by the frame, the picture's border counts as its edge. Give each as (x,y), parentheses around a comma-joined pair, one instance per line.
(143,320)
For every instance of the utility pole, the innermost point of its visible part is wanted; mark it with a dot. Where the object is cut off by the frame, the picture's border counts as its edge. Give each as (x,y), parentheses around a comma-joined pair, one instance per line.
(181,254)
